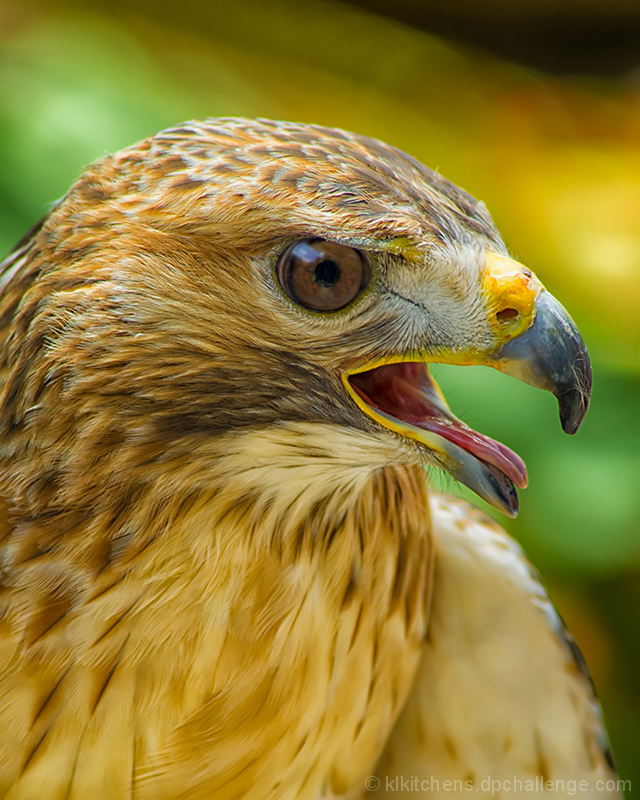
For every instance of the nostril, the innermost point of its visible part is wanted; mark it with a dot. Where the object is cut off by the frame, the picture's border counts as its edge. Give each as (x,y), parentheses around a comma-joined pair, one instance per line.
(506,315)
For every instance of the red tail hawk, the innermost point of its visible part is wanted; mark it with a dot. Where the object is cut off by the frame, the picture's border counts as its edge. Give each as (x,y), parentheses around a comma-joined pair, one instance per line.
(223,574)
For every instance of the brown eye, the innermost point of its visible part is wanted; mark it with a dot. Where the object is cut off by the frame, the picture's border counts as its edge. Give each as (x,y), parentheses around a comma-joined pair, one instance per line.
(323,276)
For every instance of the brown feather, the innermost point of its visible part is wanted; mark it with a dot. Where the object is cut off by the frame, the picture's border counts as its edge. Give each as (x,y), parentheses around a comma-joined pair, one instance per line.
(216,571)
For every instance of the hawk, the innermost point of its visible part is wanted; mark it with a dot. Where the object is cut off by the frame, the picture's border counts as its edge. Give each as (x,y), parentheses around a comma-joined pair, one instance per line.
(223,572)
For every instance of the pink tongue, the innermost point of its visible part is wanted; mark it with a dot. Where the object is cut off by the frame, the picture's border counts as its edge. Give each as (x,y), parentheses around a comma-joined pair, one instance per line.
(482,447)
(401,390)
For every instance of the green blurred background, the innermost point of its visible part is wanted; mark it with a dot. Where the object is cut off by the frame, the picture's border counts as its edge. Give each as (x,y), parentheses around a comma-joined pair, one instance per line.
(551,144)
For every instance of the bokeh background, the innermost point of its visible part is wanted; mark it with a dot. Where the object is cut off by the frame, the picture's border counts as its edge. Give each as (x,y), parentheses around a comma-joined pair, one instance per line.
(531,106)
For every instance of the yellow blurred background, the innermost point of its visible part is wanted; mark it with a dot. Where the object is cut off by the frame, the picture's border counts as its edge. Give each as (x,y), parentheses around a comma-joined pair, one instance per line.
(555,158)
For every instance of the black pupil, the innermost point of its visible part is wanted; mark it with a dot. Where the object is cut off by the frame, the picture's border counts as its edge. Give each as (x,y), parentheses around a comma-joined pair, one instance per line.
(327,273)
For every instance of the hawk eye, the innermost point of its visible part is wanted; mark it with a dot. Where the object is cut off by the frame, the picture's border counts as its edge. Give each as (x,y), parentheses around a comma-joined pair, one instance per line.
(321,275)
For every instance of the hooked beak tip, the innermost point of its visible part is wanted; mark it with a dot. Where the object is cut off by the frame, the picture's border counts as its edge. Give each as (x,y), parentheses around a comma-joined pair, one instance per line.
(573,407)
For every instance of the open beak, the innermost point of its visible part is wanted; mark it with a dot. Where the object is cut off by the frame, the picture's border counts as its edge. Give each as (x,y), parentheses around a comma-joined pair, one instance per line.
(539,344)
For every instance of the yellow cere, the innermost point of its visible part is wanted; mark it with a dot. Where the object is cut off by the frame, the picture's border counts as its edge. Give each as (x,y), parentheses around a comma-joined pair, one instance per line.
(510,290)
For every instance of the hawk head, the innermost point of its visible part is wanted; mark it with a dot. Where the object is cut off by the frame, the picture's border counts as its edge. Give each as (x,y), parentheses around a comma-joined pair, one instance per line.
(231,274)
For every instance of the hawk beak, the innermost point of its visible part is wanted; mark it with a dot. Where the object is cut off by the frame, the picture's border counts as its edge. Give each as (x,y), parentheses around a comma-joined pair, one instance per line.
(551,355)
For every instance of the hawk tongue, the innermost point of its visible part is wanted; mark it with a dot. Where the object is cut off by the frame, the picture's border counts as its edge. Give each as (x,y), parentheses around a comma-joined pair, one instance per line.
(407,392)
(482,447)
